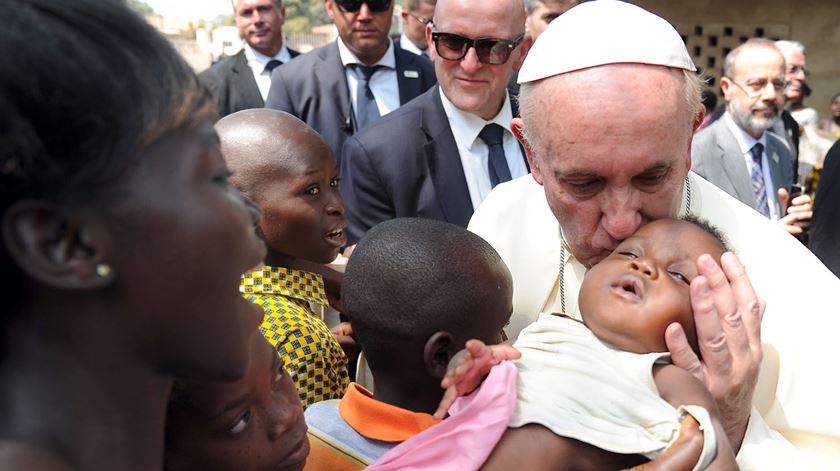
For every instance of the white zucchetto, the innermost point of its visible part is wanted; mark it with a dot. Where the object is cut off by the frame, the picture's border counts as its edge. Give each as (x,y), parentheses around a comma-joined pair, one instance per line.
(604,32)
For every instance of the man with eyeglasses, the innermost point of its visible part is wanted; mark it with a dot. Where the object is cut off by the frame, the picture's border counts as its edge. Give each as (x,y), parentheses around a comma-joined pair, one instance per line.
(439,156)
(797,76)
(736,154)
(416,14)
(346,85)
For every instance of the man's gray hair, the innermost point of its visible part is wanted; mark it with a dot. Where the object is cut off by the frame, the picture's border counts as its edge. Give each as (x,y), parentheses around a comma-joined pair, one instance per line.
(729,60)
(529,102)
(788,47)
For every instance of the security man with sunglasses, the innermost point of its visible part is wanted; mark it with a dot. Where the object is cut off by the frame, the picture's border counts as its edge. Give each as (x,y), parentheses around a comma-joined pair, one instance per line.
(439,156)
(344,86)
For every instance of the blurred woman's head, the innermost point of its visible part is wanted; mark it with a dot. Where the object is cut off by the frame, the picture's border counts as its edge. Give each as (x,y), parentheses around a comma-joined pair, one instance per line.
(115,207)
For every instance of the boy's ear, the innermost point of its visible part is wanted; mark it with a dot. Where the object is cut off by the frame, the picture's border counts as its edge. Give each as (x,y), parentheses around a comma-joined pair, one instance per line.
(54,247)
(437,353)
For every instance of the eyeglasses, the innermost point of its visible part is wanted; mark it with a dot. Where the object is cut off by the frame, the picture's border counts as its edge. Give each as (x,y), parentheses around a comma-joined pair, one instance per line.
(795,69)
(491,51)
(352,6)
(420,19)
(754,88)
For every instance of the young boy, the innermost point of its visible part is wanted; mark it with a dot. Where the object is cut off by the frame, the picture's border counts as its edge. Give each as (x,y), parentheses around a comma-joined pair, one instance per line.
(288,171)
(595,394)
(416,290)
(255,423)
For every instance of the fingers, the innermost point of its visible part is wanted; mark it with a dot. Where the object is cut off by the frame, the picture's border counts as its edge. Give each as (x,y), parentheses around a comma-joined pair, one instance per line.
(708,301)
(783,197)
(681,353)
(749,307)
(448,399)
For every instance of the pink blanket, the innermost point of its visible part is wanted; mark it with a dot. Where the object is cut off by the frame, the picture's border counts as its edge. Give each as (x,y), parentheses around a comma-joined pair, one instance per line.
(465,439)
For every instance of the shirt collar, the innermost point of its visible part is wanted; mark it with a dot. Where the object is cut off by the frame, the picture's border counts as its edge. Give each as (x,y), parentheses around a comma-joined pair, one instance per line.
(745,141)
(281,281)
(409,46)
(255,57)
(378,420)
(388,60)
(466,126)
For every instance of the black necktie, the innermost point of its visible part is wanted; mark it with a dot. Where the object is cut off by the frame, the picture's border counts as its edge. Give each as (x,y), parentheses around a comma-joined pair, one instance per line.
(366,109)
(272,64)
(496,162)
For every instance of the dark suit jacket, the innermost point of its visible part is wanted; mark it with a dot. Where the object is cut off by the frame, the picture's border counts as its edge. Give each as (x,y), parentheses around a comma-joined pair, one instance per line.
(232,83)
(313,87)
(716,156)
(825,227)
(405,165)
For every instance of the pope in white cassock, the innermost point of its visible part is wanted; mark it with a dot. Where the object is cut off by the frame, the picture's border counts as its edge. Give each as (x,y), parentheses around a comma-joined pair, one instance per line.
(609,102)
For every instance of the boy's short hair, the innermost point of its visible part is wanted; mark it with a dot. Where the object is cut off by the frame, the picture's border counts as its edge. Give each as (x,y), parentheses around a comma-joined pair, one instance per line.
(712,230)
(409,278)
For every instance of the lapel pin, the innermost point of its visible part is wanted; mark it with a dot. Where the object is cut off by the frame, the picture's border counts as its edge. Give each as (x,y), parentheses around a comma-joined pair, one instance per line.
(411,74)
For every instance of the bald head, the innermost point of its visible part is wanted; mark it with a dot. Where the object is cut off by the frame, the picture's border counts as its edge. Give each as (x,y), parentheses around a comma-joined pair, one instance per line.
(259,142)
(513,11)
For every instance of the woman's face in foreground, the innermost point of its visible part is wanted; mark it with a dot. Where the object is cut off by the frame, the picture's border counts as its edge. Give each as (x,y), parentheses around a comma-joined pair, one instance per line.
(182,236)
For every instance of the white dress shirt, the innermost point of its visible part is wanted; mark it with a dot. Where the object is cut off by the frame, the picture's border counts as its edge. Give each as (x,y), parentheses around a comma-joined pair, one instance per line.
(747,142)
(473,151)
(257,63)
(383,83)
(409,46)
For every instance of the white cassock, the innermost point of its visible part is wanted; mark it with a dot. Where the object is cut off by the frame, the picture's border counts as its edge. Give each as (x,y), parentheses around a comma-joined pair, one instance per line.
(800,376)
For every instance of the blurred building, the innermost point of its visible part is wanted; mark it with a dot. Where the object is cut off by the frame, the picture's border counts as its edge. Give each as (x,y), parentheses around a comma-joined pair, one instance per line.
(712,28)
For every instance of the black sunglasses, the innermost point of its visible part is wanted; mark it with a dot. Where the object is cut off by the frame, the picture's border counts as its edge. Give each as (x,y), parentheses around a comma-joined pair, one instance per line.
(352,6)
(491,51)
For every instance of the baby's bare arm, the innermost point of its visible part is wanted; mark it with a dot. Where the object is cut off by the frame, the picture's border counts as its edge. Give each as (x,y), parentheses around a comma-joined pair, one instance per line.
(680,388)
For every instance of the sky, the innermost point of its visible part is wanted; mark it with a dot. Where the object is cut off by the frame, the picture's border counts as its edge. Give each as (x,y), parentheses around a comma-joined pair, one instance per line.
(191,9)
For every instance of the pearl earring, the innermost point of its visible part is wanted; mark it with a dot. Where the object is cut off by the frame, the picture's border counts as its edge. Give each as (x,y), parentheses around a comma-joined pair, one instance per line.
(103,270)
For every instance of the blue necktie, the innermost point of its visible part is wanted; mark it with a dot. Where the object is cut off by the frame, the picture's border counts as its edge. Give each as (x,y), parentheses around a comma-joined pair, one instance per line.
(271,65)
(757,177)
(497,165)
(366,109)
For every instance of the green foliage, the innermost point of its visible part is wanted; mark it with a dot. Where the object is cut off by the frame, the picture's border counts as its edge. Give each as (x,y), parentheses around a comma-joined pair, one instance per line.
(141,7)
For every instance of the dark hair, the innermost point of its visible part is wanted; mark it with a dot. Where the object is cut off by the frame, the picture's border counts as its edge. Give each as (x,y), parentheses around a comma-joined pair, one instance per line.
(714,231)
(409,278)
(85,85)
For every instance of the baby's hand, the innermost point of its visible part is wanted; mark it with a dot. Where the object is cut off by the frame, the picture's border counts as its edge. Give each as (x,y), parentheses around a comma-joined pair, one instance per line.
(468,368)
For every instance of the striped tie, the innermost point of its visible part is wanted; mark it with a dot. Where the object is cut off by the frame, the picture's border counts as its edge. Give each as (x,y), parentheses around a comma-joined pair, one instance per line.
(757,176)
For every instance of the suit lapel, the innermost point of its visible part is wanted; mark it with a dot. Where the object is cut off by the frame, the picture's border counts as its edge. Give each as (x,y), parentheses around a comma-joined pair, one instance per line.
(244,82)
(444,162)
(334,84)
(732,162)
(408,75)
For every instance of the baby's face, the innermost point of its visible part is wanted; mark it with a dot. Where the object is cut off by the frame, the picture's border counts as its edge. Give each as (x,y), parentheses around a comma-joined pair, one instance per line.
(629,298)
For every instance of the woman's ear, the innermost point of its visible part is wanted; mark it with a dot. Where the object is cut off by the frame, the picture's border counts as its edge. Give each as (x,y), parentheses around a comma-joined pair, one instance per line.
(437,353)
(55,247)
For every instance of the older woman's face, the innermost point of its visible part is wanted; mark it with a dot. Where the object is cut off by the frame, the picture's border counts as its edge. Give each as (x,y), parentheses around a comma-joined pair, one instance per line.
(182,237)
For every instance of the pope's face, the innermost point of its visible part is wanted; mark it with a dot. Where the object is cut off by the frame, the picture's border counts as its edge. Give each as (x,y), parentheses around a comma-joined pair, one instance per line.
(611,147)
